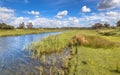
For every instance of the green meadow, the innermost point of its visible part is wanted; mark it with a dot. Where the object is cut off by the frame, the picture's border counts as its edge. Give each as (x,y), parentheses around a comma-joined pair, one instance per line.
(15,32)
(92,52)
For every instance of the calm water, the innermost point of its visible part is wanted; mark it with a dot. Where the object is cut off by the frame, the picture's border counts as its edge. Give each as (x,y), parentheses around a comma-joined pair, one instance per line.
(13,59)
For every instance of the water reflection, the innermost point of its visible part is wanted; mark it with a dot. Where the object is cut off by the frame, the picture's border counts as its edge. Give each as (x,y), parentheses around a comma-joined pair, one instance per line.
(12,60)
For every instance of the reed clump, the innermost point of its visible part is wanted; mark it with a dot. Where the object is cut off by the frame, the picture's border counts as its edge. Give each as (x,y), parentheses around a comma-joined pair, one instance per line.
(90,54)
(54,43)
(16,32)
(91,41)
(58,43)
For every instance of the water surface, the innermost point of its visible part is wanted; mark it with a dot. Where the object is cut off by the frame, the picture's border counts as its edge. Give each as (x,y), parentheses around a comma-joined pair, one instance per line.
(13,60)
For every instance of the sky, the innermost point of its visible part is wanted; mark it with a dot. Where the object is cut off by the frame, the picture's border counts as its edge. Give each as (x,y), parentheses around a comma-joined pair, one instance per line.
(59,13)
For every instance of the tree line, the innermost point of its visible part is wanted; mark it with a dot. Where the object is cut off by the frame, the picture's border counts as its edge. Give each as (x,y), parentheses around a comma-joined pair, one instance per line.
(21,26)
(30,26)
(5,26)
(105,25)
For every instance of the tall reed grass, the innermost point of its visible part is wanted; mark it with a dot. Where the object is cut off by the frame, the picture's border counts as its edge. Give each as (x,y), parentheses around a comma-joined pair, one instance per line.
(90,54)
(16,32)
(91,41)
(58,43)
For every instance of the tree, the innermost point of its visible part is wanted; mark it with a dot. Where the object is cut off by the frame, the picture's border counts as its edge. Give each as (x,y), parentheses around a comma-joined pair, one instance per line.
(97,26)
(5,26)
(21,25)
(107,25)
(30,25)
(118,23)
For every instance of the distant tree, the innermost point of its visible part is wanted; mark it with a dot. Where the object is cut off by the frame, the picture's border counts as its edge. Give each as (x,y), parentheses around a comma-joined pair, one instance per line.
(118,23)
(5,26)
(97,26)
(107,25)
(8,27)
(21,25)
(30,25)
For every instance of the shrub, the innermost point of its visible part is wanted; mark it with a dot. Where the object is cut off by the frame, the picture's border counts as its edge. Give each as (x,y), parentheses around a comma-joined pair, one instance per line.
(30,25)
(107,33)
(107,25)
(21,25)
(118,23)
(91,41)
(5,26)
(97,26)
(78,40)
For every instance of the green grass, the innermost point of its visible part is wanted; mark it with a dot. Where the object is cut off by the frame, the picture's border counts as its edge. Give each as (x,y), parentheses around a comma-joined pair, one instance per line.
(55,43)
(91,41)
(115,34)
(16,32)
(95,55)
(95,61)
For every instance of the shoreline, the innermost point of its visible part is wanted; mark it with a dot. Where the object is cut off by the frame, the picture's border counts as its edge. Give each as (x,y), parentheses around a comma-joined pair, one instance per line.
(18,32)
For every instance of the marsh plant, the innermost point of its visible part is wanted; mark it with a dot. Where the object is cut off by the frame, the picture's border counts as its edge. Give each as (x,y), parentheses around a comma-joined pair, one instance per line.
(90,54)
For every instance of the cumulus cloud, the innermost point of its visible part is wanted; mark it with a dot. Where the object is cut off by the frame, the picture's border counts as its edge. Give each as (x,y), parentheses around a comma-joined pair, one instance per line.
(36,16)
(5,17)
(74,22)
(45,22)
(17,20)
(112,13)
(110,17)
(85,9)
(33,12)
(108,4)
(6,14)
(6,10)
(61,14)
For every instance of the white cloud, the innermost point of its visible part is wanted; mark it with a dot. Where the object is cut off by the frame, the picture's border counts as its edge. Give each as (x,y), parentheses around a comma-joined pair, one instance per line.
(6,10)
(112,13)
(74,21)
(45,22)
(17,20)
(36,16)
(5,17)
(85,9)
(110,17)
(33,12)
(108,4)
(61,14)
(6,14)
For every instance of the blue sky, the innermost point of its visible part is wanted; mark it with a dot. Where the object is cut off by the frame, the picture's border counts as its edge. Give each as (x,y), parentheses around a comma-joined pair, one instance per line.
(59,13)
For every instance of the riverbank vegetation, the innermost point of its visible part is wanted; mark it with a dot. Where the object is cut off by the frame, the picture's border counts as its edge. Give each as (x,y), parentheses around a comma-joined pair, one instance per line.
(91,53)
(21,29)
(16,32)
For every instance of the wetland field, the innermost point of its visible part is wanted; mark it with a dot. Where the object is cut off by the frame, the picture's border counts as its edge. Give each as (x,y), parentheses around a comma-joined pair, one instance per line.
(58,52)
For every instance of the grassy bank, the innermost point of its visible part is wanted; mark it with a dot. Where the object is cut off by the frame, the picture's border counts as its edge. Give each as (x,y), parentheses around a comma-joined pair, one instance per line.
(91,61)
(91,52)
(55,43)
(16,32)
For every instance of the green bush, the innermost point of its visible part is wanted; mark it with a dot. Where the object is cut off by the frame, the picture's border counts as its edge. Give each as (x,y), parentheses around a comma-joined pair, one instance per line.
(5,26)
(107,33)
(97,26)
(91,41)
